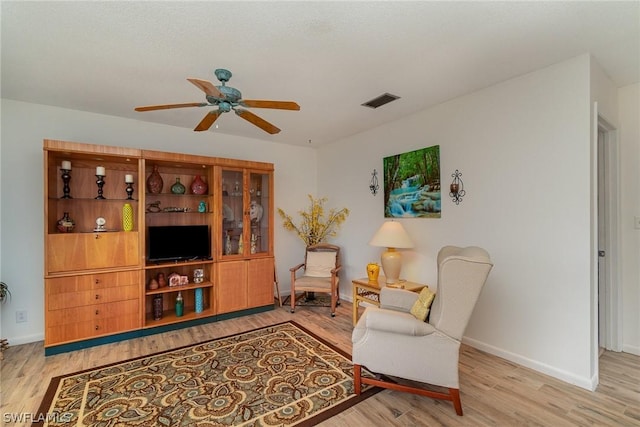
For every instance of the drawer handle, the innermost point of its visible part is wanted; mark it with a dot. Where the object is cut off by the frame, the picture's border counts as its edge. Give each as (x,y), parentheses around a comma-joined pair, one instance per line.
(97,296)
(97,281)
(97,236)
(97,312)
(97,327)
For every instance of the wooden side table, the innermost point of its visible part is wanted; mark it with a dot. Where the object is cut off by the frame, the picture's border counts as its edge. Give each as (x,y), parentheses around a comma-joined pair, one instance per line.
(366,291)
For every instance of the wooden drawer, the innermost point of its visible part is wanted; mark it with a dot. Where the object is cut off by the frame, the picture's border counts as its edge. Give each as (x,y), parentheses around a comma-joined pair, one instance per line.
(92,321)
(85,251)
(92,312)
(94,296)
(86,282)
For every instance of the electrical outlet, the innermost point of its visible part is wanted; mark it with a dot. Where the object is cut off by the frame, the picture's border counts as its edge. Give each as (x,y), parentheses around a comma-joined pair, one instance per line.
(21,316)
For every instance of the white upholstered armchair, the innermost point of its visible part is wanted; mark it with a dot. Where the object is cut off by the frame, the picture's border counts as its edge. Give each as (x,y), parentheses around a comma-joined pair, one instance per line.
(392,342)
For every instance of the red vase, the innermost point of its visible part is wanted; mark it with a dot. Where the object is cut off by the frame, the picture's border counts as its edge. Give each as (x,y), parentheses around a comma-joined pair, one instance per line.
(155,182)
(198,186)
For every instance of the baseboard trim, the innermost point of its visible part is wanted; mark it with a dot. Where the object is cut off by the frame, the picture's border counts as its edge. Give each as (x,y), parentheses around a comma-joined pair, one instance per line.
(25,339)
(583,382)
(631,349)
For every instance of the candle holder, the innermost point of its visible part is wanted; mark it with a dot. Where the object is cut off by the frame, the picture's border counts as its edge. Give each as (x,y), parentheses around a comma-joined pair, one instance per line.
(66,177)
(100,184)
(129,190)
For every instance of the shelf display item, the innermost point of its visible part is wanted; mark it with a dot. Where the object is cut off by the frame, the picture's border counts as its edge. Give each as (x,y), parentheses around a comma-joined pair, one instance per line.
(202,206)
(178,188)
(255,211)
(162,281)
(157,307)
(174,279)
(179,305)
(254,242)
(198,186)
(127,217)
(153,284)
(155,182)
(66,224)
(199,297)
(227,244)
(198,275)
(227,213)
(100,224)
(66,177)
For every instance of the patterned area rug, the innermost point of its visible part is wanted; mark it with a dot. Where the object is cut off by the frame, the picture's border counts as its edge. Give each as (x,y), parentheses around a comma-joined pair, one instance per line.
(273,376)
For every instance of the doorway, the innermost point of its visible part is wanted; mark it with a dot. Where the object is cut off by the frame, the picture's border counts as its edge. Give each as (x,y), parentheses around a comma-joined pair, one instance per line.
(609,304)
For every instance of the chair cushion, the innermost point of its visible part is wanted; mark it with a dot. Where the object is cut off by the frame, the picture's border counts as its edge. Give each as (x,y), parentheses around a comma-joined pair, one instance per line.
(420,308)
(320,264)
(314,283)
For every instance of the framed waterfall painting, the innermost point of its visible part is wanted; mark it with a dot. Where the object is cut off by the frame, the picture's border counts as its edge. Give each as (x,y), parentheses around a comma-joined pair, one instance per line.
(412,184)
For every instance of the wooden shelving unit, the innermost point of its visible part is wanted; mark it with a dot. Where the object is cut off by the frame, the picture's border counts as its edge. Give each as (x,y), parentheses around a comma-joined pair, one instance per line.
(109,264)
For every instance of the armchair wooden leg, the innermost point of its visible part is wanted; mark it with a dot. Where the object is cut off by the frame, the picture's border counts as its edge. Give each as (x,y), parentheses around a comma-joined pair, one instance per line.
(455,398)
(357,372)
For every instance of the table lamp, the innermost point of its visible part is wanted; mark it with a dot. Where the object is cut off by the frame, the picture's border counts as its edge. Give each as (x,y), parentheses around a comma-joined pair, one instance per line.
(391,235)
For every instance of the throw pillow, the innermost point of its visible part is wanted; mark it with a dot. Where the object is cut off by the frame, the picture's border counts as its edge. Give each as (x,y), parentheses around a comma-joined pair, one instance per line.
(420,308)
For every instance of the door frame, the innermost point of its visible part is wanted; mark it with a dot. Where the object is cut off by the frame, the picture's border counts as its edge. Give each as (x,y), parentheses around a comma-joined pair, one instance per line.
(612,301)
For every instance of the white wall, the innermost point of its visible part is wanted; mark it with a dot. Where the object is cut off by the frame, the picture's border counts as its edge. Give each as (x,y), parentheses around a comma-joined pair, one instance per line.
(24,126)
(524,149)
(629,140)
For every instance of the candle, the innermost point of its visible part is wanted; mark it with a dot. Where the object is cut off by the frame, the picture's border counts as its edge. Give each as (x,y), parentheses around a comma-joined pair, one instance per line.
(66,164)
(128,178)
(100,171)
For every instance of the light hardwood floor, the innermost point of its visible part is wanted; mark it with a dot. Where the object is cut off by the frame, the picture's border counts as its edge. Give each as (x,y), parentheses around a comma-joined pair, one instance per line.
(494,392)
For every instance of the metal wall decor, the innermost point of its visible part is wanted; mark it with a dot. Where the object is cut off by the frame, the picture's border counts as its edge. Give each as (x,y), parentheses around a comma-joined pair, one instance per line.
(373,185)
(457,188)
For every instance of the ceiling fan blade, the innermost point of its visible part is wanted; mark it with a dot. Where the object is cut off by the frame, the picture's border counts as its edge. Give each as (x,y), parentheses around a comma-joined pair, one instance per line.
(258,121)
(169,106)
(207,87)
(280,105)
(208,120)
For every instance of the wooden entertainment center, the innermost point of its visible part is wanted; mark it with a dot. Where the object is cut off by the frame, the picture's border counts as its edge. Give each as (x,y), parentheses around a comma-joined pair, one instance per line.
(97,272)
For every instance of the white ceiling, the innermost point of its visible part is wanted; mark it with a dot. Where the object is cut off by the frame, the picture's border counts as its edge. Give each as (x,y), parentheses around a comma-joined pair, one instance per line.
(330,57)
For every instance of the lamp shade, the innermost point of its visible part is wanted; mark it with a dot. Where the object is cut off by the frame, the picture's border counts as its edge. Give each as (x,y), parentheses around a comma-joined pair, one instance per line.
(391,235)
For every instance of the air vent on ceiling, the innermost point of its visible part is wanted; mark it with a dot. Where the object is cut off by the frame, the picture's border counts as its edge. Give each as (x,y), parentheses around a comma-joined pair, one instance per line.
(385,98)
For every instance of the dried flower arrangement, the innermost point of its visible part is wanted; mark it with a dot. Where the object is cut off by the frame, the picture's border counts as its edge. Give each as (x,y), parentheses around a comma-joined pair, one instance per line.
(314,228)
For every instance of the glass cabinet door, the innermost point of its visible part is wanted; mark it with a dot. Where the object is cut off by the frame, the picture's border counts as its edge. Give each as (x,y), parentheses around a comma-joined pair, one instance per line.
(233,218)
(259,213)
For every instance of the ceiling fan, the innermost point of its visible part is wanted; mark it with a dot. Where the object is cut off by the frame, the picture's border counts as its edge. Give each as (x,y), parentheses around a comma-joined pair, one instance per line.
(227,98)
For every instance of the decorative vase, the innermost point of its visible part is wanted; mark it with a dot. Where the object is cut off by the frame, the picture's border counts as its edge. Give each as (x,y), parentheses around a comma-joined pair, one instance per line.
(179,305)
(153,284)
(157,307)
(198,186)
(66,224)
(162,281)
(199,295)
(127,217)
(202,207)
(373,270)
(227,245)
(178,188)
(155,182)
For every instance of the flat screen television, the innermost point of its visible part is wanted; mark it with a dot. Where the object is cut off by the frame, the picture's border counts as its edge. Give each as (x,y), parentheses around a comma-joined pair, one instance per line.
(178,242)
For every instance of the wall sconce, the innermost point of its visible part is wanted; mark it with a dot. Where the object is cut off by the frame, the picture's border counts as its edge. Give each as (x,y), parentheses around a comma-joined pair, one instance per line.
(373,185)
(457,188)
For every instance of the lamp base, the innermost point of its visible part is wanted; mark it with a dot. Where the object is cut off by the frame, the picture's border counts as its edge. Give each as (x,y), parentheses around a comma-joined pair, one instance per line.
(391,261)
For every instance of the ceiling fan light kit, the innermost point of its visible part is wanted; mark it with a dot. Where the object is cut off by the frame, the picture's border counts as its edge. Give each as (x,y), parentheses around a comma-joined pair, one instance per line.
(227,98)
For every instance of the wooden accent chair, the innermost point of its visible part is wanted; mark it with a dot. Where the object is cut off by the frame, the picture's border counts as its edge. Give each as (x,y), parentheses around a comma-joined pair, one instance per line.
(390,341)
(321,267)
